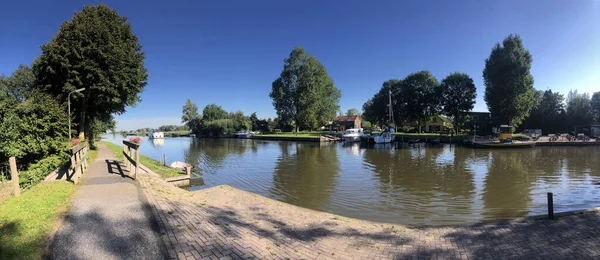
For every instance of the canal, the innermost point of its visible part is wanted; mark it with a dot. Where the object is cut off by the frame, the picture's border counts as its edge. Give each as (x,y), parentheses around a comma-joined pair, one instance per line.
(434,185)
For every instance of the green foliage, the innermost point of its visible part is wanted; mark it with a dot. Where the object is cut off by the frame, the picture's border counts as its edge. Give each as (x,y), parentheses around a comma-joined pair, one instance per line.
(173,128)
(366,124)
(26,220)
(190,112)
(19,86)
(548,113)
(96,50)
(376,108)
(458,96)
(214,128)
(509,91)
(304,95)
(579,109)
(595,103)
(213,112)
(353,112)
(419,97)
(36,172)
(33,129)
(238,121)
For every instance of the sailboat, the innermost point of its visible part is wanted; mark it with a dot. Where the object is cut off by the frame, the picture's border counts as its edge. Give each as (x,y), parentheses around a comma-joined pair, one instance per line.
(386,137)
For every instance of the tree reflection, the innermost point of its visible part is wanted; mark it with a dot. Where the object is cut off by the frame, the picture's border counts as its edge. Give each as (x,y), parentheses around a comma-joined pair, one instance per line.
(212,153)
(428,183)
(509,183)
(305,174)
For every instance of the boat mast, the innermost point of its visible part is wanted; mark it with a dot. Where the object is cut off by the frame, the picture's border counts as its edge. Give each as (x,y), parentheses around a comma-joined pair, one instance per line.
(390,110)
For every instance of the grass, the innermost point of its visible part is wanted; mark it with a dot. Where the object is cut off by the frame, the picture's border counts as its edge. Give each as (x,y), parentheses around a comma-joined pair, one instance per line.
(92,154)
(154,165)
(26,220)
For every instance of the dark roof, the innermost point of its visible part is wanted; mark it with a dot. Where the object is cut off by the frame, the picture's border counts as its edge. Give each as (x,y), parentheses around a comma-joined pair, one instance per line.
(346,118)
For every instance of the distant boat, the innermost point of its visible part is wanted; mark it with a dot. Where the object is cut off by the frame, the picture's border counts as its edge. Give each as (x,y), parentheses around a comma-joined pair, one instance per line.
(353,134)
(509,144)
(383,138)
(156,135)
(243,134)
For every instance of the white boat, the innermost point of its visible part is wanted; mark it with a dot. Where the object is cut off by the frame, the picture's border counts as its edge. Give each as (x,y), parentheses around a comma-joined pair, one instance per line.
(352,134)
(243,134)
(383,138)
(156,135)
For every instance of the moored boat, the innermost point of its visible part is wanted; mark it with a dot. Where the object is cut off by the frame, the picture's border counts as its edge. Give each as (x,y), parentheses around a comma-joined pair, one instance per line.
(353,134)
(156,135)
(383,138)
(243,134)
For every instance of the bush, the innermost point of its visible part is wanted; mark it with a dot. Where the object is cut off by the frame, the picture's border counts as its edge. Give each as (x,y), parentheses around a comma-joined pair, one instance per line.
(37,171)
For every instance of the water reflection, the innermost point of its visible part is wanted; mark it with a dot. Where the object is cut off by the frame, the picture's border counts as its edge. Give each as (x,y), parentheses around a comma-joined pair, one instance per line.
(305,174)
(157,142)
(411,184)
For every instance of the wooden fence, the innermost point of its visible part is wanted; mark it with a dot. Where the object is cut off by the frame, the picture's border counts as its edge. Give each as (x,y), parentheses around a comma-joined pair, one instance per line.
(131,152)
(79,155)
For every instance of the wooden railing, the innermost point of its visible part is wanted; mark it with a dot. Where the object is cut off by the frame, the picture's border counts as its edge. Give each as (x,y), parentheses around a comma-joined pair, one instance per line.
(79,155)
(131,152)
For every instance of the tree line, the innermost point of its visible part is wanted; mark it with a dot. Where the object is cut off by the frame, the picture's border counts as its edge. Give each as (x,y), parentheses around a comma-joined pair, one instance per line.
(97,54)
(509,95)
(215,121)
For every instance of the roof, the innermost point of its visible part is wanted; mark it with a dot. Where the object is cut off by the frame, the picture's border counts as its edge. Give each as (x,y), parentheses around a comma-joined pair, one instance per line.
(347,118)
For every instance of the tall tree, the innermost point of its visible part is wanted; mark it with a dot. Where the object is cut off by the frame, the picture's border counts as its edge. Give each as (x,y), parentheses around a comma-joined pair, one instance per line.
(213,112)
(353,112)
(376,108)
(98,51)
(508,82)
(596,106)
(420,93)
(190,112)
(548,112)
(579,109)
(304,93)
(254,122)
(458,96)
(20,85)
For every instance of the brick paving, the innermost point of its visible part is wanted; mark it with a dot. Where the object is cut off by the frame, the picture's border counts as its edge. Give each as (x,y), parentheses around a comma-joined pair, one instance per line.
(228,223)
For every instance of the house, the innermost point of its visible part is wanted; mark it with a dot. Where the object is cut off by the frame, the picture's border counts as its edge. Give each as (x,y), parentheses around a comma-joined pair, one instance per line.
(595,130)
(478,122)
(435,124)
(347,122)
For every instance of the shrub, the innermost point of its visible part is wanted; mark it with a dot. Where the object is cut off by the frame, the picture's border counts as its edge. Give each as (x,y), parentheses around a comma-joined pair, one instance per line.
(37,171)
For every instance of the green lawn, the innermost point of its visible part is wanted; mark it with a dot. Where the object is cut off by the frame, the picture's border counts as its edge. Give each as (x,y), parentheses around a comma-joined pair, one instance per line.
(154,165)
(26,220)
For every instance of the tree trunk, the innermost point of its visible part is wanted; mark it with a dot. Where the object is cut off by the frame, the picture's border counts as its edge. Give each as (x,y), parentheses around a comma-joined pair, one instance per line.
(82,125)
(419,122)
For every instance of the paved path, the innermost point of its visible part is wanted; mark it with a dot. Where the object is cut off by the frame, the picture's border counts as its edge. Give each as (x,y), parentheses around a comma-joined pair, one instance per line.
(109,218)
(226,223)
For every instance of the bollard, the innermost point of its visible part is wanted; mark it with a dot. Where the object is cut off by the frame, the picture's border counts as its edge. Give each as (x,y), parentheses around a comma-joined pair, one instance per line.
(188,171)
(14,175)
(550,206)
(164,159)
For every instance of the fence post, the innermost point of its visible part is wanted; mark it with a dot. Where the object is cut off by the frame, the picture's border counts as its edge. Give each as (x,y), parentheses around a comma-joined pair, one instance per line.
(164,160)
(188,171)
(550,206)
(14,174)
(137,162)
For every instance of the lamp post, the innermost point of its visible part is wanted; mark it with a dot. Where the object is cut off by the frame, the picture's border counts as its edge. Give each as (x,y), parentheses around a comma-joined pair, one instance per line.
(69,105)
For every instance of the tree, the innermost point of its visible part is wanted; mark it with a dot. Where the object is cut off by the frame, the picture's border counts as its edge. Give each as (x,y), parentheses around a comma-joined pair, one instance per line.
(420,96)
(366,124)
(304,93)
(458,96)
(98,51)
(508,82)
(20,85)
(376,108)
(353,112)
(579,109)
(547,113)
(213,112)
(596,106)
(190,112)
(254,121)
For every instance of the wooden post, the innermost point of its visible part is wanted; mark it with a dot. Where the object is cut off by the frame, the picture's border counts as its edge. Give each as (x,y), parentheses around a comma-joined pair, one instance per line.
(137,162)
(550,206)
(124,151)
(188,171)
(164,159)
(14,174)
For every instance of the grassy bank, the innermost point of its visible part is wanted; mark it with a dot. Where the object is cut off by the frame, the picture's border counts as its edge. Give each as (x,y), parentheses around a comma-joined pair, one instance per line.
(26,220)
(154,165)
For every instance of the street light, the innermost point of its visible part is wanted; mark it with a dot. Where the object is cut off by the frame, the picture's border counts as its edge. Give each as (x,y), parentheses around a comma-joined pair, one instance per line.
(69,105)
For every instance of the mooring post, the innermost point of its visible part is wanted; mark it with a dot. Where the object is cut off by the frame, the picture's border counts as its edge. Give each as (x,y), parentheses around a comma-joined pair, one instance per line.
(14,175)
(164,159)
(188,171)
(550,206)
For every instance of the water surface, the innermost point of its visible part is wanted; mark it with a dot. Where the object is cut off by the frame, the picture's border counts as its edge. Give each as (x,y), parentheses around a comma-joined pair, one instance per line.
(420,184)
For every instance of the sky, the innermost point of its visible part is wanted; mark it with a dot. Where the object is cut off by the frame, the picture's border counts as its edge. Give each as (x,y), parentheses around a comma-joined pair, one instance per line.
(229,52)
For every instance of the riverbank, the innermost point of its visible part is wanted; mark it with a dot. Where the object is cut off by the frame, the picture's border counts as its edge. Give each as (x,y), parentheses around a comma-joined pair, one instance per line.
(227,222)
(154,165)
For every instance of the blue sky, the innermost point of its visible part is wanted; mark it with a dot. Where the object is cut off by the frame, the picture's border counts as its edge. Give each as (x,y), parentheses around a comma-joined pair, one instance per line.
(229,52)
